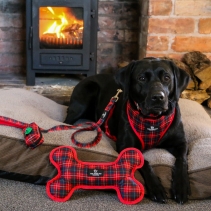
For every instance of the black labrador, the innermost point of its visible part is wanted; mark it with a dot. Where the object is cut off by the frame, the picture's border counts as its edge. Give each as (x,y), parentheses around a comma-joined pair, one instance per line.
(151,90)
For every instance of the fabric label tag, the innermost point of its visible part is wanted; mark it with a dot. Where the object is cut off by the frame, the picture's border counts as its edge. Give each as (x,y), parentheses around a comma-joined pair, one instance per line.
(95,172)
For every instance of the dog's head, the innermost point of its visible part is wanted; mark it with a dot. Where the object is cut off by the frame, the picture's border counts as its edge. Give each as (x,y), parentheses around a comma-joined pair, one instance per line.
(152,84)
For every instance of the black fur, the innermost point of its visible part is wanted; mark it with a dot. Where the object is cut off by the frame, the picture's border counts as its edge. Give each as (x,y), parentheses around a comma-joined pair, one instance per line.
(155,85)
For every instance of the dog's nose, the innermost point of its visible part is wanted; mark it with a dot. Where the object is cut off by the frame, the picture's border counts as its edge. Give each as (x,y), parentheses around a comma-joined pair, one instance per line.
(158,96)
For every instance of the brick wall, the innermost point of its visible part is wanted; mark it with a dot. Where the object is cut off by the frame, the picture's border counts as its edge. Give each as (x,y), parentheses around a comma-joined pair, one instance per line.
(12,36)
(118,32)
(178,26)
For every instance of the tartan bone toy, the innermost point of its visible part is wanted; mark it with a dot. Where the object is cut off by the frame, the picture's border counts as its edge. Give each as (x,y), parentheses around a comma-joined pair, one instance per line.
(74,174)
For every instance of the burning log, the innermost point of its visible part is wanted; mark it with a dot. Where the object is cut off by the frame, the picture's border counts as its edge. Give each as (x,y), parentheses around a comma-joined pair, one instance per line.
(75,31)
(73,28)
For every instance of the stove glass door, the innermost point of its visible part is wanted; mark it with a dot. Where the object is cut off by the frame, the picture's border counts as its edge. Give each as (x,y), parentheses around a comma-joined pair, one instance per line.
(61,28)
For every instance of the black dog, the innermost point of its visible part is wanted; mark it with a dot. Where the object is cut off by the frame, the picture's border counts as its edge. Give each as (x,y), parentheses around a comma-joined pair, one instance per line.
(151,89)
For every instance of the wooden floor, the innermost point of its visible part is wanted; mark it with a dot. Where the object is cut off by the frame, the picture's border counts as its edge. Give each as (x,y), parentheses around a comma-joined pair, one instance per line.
(55,87)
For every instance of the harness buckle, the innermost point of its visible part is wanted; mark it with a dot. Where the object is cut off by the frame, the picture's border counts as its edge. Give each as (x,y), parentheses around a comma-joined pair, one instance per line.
(116,96)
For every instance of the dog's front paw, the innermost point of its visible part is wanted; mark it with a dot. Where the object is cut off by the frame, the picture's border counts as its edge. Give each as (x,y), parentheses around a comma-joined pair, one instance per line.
(180,190)
(155,190)
(180,186)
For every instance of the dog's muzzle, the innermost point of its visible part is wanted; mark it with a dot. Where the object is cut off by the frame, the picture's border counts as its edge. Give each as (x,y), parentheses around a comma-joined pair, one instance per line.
(158,96)
(156,103)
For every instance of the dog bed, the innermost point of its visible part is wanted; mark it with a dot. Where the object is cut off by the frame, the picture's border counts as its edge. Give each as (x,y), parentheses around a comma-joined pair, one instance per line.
(19,162)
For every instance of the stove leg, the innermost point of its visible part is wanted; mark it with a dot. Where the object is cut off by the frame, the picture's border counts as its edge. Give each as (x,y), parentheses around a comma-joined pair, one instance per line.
(30,78)
(90,73)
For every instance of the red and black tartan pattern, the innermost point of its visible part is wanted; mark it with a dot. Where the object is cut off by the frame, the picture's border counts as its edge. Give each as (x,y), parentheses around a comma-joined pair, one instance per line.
(74,174)
(149,130)
(12,122)
(32,139)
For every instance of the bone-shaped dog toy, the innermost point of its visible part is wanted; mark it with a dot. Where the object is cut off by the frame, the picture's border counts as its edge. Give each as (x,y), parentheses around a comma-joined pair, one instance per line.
(75,174)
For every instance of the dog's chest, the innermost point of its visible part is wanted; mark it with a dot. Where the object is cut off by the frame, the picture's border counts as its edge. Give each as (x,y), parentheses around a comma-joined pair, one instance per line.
(149,130)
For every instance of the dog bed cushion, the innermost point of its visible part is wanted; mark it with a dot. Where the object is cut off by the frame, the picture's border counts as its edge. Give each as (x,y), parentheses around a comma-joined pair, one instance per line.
(19,162)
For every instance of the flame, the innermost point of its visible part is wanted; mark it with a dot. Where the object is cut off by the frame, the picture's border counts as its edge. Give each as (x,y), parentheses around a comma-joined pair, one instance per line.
(51,10)
(59,23)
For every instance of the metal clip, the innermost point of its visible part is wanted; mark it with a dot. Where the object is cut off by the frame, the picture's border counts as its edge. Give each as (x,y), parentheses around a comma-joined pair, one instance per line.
(116,96)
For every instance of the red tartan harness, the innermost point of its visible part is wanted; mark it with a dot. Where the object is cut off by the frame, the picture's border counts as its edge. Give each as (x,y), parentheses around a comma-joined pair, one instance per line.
(149,130)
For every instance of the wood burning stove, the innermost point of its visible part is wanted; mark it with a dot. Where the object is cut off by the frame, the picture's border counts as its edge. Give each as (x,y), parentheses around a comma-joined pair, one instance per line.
(61,37)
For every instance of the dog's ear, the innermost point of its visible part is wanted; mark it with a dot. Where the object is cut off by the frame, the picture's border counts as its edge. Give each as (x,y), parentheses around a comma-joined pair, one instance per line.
(122,77)
(181,80)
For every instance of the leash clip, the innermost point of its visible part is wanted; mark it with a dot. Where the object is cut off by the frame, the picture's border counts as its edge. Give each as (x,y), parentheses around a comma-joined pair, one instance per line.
(116,96)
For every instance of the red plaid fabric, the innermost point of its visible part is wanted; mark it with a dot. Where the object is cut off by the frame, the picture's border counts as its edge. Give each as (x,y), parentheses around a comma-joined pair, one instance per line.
(12,122)
(149,130)
(32,133)
(74,174)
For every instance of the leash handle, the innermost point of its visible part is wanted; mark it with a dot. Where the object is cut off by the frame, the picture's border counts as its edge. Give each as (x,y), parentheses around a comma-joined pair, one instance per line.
(96,140)
(93,126)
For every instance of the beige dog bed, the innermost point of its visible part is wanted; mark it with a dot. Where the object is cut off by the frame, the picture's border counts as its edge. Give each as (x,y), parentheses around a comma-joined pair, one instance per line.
(21,163)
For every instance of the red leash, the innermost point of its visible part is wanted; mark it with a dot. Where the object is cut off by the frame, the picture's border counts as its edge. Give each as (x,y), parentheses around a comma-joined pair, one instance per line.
(33,133)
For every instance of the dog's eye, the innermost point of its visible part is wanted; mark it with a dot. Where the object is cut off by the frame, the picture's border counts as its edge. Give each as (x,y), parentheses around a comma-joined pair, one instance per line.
(166,78)
(141,78)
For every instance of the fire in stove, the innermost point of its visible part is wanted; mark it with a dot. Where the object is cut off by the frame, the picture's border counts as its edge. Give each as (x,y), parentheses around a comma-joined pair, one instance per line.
(61,28)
